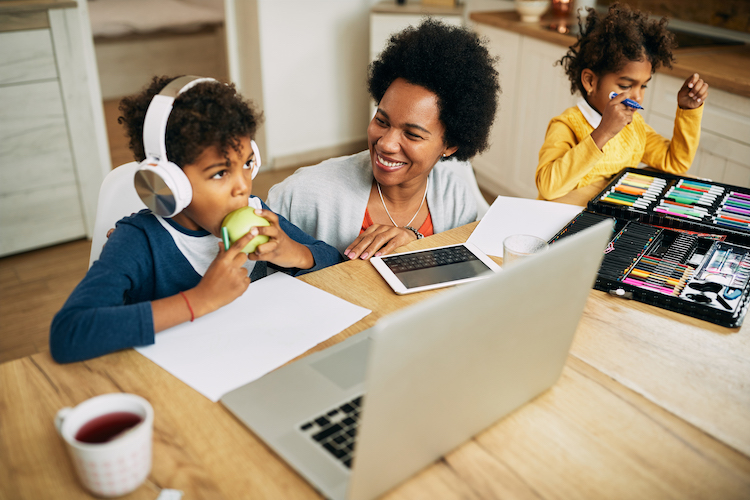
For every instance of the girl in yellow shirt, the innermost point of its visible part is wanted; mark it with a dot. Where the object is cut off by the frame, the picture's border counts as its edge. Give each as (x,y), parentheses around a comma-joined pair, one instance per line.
(593,141)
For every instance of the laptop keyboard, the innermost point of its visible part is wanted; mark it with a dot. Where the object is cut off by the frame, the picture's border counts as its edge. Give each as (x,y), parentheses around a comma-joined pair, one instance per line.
(336,429)
(437,257)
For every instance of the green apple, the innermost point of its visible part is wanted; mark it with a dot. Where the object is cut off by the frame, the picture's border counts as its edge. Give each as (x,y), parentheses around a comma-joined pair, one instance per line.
(240,222)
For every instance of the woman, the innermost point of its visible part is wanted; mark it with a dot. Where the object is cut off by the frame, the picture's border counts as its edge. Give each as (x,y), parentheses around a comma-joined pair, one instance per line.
(436,89)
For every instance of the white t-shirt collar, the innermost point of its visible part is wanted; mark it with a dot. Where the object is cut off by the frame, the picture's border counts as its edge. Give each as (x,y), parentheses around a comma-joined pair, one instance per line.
(592,116)
(201,249)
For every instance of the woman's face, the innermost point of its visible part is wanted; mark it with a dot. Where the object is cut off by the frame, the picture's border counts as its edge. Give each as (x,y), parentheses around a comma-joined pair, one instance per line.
(406,136)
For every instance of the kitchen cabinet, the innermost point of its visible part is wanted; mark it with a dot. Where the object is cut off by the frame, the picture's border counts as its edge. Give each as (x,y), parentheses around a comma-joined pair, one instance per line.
(724,151)
(53,145)
(535,89)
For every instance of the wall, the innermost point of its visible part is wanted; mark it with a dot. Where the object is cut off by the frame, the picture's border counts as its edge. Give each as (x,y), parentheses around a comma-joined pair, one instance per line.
(305,63)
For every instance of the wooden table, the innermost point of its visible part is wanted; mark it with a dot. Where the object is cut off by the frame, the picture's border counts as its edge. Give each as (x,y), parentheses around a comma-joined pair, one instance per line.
(651,404)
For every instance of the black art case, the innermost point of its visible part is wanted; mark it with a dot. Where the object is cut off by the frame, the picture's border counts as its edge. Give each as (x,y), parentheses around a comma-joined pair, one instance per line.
(698,266)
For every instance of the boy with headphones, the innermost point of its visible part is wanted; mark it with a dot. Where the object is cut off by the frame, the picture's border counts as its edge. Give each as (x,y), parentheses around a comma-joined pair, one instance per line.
(167,265)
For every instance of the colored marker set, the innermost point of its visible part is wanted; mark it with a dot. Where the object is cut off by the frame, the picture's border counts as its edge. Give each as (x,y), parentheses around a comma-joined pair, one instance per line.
(634,190)
(678,243)
(734,211)
(690,199)
(674,201)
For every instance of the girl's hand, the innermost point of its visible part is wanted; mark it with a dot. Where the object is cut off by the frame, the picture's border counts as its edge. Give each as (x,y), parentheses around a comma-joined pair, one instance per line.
(224,281)
(616,117)
(693,92)
(280,249)
(378,240)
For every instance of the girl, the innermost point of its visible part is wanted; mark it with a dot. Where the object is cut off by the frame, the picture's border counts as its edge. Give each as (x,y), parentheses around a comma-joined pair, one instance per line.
(616,53)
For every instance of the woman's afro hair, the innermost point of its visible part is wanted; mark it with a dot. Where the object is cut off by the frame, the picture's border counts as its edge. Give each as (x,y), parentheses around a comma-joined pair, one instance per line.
(607,42)
(208,114)
(455,65)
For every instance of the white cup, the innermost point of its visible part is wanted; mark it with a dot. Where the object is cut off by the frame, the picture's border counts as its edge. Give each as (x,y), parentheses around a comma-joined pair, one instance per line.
(518,246)
(118,466)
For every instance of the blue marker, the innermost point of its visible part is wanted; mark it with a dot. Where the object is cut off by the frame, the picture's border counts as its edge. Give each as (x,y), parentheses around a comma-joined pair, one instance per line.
(627,102)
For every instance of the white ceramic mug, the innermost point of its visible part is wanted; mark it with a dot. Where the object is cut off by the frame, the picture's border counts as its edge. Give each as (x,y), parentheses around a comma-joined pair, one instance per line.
(118,466)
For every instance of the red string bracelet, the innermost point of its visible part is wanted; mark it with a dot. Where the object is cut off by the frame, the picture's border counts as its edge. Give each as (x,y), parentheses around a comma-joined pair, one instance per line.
(192,314)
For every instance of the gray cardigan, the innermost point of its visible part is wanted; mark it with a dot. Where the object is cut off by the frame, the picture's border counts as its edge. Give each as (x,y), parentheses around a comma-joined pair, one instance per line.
(328,200)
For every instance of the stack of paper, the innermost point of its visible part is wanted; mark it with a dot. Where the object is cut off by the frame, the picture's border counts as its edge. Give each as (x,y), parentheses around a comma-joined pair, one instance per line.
(275,320)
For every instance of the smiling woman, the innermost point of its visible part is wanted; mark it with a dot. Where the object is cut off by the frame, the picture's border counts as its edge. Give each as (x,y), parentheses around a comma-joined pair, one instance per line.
(436,88)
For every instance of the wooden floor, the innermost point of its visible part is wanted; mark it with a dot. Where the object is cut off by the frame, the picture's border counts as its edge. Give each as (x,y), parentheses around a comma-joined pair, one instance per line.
(34,285)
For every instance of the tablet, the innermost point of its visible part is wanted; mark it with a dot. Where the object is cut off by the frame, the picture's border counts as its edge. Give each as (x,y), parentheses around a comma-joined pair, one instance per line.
(421,270)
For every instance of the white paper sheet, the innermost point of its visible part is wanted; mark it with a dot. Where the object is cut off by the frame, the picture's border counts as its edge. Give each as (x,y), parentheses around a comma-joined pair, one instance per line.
(275,320)
(508,216)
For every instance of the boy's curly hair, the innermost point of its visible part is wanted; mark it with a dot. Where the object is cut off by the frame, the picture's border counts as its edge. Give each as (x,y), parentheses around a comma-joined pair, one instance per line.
(453,63)
(608,42)
(209,114)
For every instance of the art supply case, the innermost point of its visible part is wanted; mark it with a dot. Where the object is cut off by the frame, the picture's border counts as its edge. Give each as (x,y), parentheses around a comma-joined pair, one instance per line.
(678,243)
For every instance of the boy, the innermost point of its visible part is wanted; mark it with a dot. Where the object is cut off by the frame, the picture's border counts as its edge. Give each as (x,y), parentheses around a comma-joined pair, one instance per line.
(157,272)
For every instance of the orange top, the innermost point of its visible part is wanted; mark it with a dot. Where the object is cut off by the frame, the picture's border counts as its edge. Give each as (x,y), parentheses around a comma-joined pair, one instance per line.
(426,228)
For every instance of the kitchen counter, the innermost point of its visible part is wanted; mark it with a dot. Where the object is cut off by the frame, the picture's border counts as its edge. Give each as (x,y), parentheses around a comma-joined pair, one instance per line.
(723,67)
(418,8)
(10,6)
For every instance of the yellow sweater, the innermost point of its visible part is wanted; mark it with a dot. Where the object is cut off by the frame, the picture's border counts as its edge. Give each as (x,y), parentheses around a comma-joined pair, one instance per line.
(570,159)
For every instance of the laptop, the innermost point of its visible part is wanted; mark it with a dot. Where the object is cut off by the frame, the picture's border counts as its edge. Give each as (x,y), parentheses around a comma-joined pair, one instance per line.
(366,414)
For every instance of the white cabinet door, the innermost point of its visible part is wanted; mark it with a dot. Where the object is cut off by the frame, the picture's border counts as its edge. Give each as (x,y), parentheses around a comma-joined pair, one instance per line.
(724,151)
(53,145)
(535,89)
(495,166)
(39,198)
(26,56)
(543,93)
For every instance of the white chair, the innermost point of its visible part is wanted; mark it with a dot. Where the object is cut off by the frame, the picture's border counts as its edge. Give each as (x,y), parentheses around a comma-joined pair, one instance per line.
(117,199)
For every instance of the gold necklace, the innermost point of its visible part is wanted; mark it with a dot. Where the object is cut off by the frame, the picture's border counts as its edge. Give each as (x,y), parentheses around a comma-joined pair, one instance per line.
(408,224)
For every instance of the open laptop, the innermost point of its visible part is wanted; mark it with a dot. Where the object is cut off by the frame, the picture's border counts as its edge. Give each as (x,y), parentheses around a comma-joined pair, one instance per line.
(426,378)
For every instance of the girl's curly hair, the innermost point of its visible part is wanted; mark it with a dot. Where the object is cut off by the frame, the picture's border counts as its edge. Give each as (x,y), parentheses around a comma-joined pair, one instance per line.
(453,63)
(608,42)
(209,114)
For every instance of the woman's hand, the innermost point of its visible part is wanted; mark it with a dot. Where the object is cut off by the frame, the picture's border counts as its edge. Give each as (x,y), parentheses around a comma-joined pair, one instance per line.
(280,249)
(378,240)
(693,92)
(616,117)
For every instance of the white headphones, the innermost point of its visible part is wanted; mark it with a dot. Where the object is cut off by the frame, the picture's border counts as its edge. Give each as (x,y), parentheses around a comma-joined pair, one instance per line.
(162,185)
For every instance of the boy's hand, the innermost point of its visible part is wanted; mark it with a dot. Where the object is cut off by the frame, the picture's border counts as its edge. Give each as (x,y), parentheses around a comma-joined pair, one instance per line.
(616,117)
(693,92)
(224,281)
(280,249)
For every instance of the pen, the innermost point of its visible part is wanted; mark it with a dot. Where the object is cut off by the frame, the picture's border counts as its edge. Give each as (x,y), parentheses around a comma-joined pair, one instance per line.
(627,102)
(225,237)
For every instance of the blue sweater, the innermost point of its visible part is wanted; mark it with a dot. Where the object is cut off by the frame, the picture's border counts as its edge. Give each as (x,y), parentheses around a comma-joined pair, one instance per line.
(110,309)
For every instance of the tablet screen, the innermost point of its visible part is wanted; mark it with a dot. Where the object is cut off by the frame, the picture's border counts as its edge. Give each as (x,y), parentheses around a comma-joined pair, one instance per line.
(438,265)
